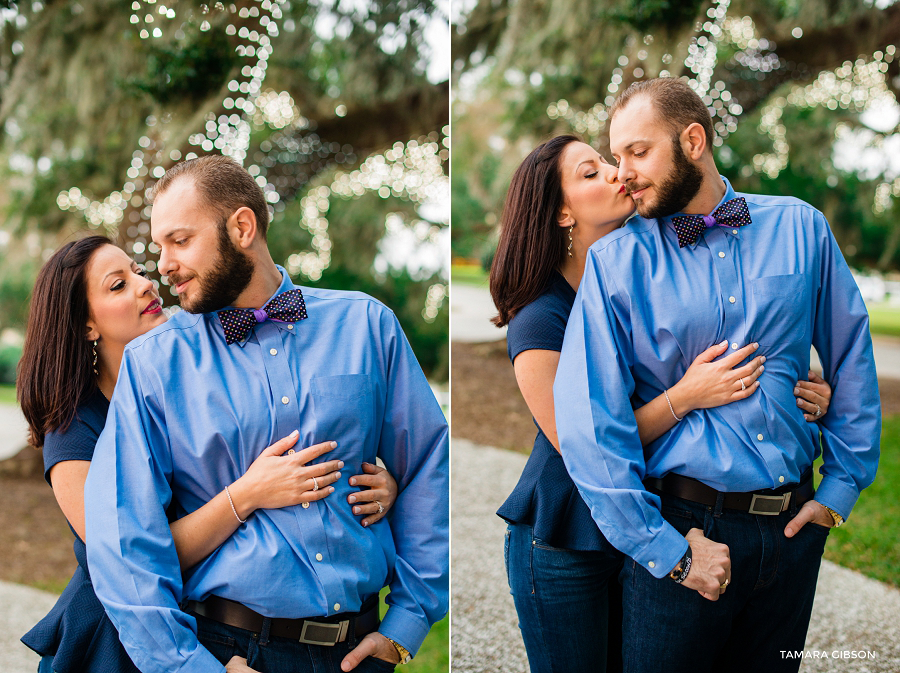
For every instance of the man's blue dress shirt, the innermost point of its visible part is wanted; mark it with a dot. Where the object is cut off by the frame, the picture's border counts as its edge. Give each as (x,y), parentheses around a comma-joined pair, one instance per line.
(189,416)
(646,308)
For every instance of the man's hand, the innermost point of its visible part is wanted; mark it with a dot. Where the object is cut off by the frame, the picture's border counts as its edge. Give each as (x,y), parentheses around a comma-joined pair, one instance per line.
(238,665)
(373,645)
(811,511)
(710,565)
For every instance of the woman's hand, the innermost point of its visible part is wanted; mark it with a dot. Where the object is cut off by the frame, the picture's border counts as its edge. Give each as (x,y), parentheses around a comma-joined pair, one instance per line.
(274,480)
(382,489)
(709,384)
(813,397)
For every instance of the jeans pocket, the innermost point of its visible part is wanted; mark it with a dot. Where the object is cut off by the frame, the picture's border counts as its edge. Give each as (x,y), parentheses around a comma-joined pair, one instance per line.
(222,647)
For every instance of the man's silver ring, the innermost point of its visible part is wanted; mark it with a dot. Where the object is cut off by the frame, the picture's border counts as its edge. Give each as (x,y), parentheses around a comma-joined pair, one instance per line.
(315,484)
(380,507)
(743,387)
(818,411)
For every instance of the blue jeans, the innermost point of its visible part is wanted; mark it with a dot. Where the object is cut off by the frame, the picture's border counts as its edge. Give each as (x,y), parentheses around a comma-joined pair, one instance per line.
(568,602)
(271,654)
(765,609)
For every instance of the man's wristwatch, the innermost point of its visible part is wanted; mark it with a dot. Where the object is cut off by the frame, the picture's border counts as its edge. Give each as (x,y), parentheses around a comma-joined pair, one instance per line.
(680,571)
(838,519)
(405,656)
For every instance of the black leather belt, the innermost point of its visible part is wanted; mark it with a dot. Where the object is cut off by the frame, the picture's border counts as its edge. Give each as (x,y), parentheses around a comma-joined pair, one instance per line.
(311,631)
(767,502)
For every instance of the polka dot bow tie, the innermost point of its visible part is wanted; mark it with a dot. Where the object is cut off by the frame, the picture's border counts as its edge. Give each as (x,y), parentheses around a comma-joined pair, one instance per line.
(732,213)
(239,322)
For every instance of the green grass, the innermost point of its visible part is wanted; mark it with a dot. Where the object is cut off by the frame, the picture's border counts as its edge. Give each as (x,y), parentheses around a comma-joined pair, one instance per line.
(884,319)
(434,655)
(7,394)
(470,274)
(870,540)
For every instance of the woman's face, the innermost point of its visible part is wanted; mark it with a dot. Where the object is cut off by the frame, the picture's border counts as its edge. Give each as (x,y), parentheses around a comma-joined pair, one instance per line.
(122,302)
(593,197)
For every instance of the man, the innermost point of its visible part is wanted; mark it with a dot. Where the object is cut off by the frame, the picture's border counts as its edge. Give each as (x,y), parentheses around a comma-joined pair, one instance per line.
(723,503)
(293,589)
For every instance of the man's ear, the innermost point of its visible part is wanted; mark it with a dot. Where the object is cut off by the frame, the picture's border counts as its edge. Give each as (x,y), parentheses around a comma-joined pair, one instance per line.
(693,141)
(243,227)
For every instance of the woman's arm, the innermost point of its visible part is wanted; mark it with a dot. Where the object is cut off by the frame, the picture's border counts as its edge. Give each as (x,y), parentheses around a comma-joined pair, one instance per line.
(272,481)
(705,384)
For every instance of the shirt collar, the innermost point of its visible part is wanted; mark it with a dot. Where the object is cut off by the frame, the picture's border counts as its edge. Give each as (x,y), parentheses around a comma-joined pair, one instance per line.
(729,194)
(286,284)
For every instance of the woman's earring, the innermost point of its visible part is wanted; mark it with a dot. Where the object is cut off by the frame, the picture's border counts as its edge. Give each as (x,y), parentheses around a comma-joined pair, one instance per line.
(94,364)
(571,240)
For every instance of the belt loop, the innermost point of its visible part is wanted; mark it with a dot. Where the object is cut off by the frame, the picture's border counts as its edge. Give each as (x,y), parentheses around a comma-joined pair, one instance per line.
(264,631)
(720,503)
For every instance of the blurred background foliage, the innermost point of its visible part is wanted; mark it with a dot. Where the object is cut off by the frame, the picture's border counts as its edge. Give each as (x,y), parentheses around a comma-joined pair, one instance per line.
(339,108)
(803,95)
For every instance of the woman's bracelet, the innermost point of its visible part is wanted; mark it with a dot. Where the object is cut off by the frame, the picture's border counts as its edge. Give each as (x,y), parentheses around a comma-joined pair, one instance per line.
(231,502)
(671,408)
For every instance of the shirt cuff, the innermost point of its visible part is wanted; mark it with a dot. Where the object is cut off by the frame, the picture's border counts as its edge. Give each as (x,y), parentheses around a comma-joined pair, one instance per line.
(664,551)
(404,627)
(837,495)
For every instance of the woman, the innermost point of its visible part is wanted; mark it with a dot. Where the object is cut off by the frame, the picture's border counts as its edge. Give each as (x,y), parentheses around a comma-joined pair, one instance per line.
(90,300)
(562,198)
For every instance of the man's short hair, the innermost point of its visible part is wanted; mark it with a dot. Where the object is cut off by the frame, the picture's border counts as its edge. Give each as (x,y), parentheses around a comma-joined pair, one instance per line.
(677,104)
(223,184)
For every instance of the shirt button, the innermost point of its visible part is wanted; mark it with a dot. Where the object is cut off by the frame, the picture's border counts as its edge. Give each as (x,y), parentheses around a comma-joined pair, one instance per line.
(734,346)
(284,400)
(273,352)
(734,231)
(781,479)
(652,564)
(732,299)
(759,437)
(305,505)
(318,557)
(337,606)
(721,254)
(290,327)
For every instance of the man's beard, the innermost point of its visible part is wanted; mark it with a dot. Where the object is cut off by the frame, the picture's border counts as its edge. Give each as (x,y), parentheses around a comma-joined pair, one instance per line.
(223,283)
(677,189)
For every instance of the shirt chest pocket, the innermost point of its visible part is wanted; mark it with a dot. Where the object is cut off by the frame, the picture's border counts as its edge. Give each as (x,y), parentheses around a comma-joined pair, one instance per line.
(345,411)
(782,308)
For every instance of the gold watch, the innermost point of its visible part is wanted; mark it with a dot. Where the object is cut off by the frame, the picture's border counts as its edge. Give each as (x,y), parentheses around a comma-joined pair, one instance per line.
(405,656)
(838,519)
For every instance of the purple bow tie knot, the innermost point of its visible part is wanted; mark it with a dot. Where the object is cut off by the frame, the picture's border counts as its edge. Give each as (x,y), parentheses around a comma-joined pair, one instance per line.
(733,213)
(239,322)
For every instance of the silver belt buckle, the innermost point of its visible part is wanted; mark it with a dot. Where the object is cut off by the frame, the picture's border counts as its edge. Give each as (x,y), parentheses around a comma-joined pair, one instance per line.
(770,505)
(322,633)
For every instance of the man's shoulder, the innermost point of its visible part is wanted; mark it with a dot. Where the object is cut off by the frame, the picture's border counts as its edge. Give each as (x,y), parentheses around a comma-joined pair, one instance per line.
(774,201)
(317,298)
(178,323)
(636,232)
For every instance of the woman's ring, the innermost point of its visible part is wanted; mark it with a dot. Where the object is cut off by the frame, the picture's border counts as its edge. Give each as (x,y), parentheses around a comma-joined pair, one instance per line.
(380,507)
(743,387)
(818,411)
(315,484)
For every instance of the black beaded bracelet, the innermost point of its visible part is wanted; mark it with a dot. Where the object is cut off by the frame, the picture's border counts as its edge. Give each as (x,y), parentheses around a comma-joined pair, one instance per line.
(680,572)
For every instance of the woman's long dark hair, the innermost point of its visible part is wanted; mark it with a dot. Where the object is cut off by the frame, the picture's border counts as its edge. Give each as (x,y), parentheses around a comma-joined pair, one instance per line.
(532,244)
(55,374)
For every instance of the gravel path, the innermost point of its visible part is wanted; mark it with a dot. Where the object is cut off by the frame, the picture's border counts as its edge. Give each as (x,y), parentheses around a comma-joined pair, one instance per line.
(20,609)
(851,613)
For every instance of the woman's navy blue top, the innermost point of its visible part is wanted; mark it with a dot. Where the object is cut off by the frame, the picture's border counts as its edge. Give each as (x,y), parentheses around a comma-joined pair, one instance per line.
(77,632)
(546,497)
